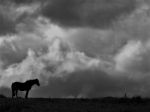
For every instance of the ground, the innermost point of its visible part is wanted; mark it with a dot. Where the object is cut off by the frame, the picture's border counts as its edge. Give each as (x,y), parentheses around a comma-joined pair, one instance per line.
(107,104)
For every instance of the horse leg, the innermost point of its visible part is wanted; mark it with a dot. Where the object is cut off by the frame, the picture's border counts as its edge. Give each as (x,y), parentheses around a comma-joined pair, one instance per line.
(27,94)
(16,92)
(13,93)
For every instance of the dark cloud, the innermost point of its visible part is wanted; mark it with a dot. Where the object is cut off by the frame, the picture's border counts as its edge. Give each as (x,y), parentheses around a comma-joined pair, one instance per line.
(23,1)
(7,26)
(7,19)
(88,83)
(97,43)
(10,56)
(18,1)
(93,13)
(13,13)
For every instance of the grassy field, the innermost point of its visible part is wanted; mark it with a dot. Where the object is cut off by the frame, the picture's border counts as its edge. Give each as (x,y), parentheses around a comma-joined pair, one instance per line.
(74,105)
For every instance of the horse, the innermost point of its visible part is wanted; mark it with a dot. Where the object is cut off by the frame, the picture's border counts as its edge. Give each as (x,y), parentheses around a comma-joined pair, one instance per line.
(23,86)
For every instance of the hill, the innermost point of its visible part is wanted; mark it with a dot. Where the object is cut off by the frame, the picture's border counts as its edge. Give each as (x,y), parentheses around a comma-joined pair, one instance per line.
(107,104)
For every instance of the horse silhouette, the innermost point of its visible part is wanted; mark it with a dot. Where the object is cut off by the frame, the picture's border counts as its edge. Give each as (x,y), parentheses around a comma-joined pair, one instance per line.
(26,86)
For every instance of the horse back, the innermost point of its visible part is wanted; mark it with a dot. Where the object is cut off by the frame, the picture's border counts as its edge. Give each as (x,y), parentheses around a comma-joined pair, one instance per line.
(18,86)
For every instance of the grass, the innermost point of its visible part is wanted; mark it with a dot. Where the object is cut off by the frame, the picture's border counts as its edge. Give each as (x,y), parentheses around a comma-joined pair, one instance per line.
(107,104)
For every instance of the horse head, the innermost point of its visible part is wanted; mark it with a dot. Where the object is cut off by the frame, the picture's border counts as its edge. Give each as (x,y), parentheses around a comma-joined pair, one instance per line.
(37,82)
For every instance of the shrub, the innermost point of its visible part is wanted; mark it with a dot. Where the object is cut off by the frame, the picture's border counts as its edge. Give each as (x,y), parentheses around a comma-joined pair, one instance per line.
(2,96)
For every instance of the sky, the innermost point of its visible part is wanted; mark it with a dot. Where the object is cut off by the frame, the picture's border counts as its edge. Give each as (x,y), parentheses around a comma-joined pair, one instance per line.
(76,48)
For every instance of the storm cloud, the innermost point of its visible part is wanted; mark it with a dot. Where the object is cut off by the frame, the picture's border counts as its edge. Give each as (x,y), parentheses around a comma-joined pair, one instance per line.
(86,13)
(7,24)
(91,83)
(76,48)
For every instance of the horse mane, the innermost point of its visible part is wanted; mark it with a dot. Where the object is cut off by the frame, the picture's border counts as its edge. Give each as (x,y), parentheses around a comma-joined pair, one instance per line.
(31,80)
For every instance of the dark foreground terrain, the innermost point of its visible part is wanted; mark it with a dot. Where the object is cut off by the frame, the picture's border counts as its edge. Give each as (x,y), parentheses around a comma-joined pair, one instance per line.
(75,105)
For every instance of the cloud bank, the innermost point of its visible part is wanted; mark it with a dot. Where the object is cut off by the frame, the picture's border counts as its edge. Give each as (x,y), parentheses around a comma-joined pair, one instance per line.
(76,48)
(86,13)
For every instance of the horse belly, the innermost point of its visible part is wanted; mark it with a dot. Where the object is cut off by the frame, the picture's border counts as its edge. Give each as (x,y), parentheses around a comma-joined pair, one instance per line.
(21,89)
(19,86)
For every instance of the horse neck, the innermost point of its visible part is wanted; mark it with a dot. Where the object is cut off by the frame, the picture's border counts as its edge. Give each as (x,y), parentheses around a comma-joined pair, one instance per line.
(31,83)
